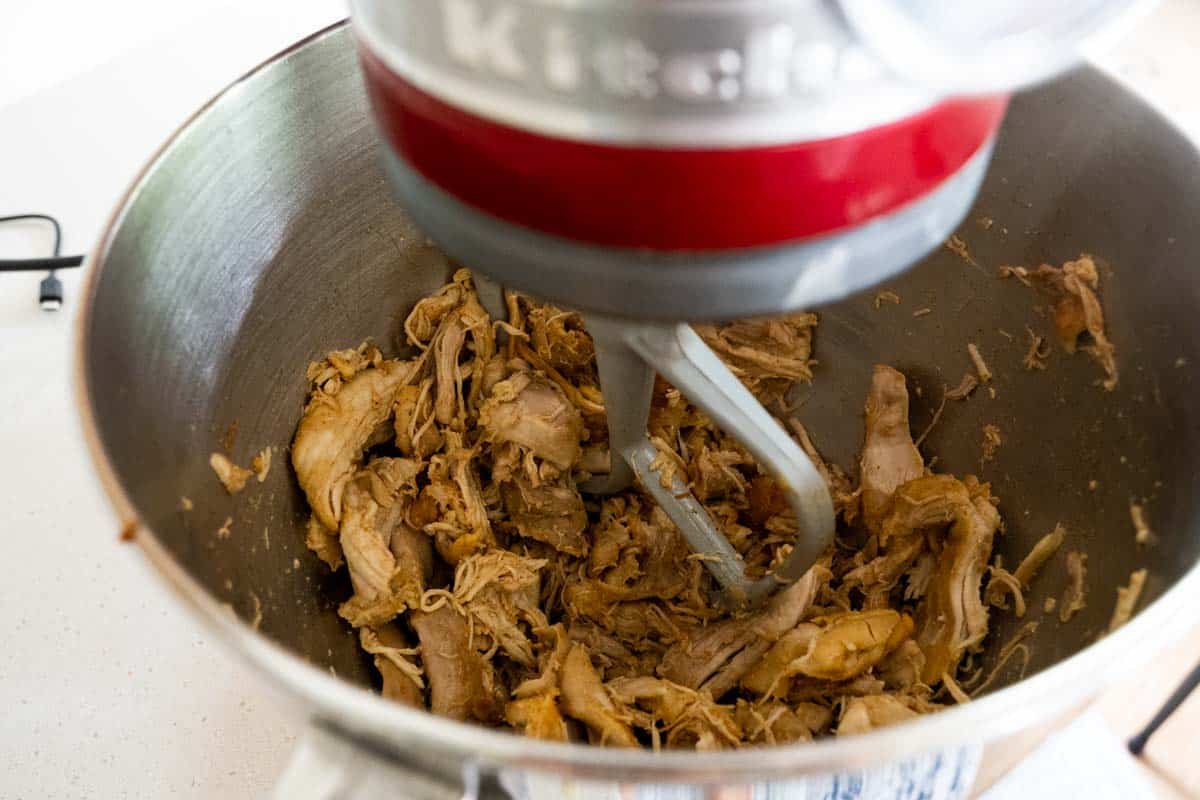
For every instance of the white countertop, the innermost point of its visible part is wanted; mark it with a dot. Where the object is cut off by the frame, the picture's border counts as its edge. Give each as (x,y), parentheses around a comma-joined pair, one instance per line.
(109,688)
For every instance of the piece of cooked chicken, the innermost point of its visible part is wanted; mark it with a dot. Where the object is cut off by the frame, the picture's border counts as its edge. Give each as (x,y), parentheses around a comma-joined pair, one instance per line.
(717,656)
(413,552)
(323,542)
(901,671)
(1077,311)
(417,435)
(637,552)
(551,512)
(537,717)
(768,355)
(878,577)
(617,659)
(373,506)
(461,683)
(335,431)
(639,625)
(531,412)
(834,648)
(889,457)
(327,375)
(585,698)
(864,714)
(776,722)
(559,337)
(689,717)
(499,591)
(952,617)
(924,502)
(232,477)
(534,709)
(403,679)
(459,522)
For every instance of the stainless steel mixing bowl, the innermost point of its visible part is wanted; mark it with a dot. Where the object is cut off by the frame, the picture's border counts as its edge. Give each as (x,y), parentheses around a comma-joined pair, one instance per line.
(262,235)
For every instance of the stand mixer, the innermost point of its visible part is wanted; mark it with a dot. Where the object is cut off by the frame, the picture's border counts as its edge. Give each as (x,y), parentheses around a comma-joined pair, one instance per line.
(662,162)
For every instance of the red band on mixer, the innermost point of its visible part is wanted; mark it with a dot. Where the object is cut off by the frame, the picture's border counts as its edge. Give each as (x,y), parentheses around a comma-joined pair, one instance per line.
(673,199)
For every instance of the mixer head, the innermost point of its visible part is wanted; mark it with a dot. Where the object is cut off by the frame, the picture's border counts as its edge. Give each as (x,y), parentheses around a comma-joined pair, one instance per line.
(653,162)
(691,159)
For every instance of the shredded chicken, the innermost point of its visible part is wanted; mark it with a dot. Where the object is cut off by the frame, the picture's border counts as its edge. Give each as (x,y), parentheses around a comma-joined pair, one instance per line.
(991,442)
(1073,600)
(534,709)
(1076,313)
(1038,352)
(550,513)
(403,679)
(1017,582)
(1141,528)
(952,618)
(586,699)
(261,465)
(717,656)
(1042,552)
(498,591)
(1015,646)
(335,431)
(961,392)
(373,508)
(487,589)
(886,297)
(1019,273)
(689,718)
(1001,584)
(957,246)
(461,681)
(981,367)
(889,457)
(768,355)
(835,648)
(452,508)
(323,542)
(776,722)
(533,414)
(232,477)
(558,337)
(1127,599)
(864,714)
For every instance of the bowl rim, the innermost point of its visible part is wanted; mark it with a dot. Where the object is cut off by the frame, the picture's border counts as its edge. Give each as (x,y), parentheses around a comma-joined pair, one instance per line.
(359,713)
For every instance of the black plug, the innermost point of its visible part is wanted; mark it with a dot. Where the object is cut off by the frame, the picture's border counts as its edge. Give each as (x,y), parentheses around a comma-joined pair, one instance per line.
(50,293)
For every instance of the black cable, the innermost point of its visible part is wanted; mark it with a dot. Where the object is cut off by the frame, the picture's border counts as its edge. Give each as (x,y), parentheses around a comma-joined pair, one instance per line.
(1138,743)
(50,291)
(43,218)
(39,264)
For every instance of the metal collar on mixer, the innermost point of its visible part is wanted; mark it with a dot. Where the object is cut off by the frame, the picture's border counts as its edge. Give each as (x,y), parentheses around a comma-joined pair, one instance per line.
(696,286)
